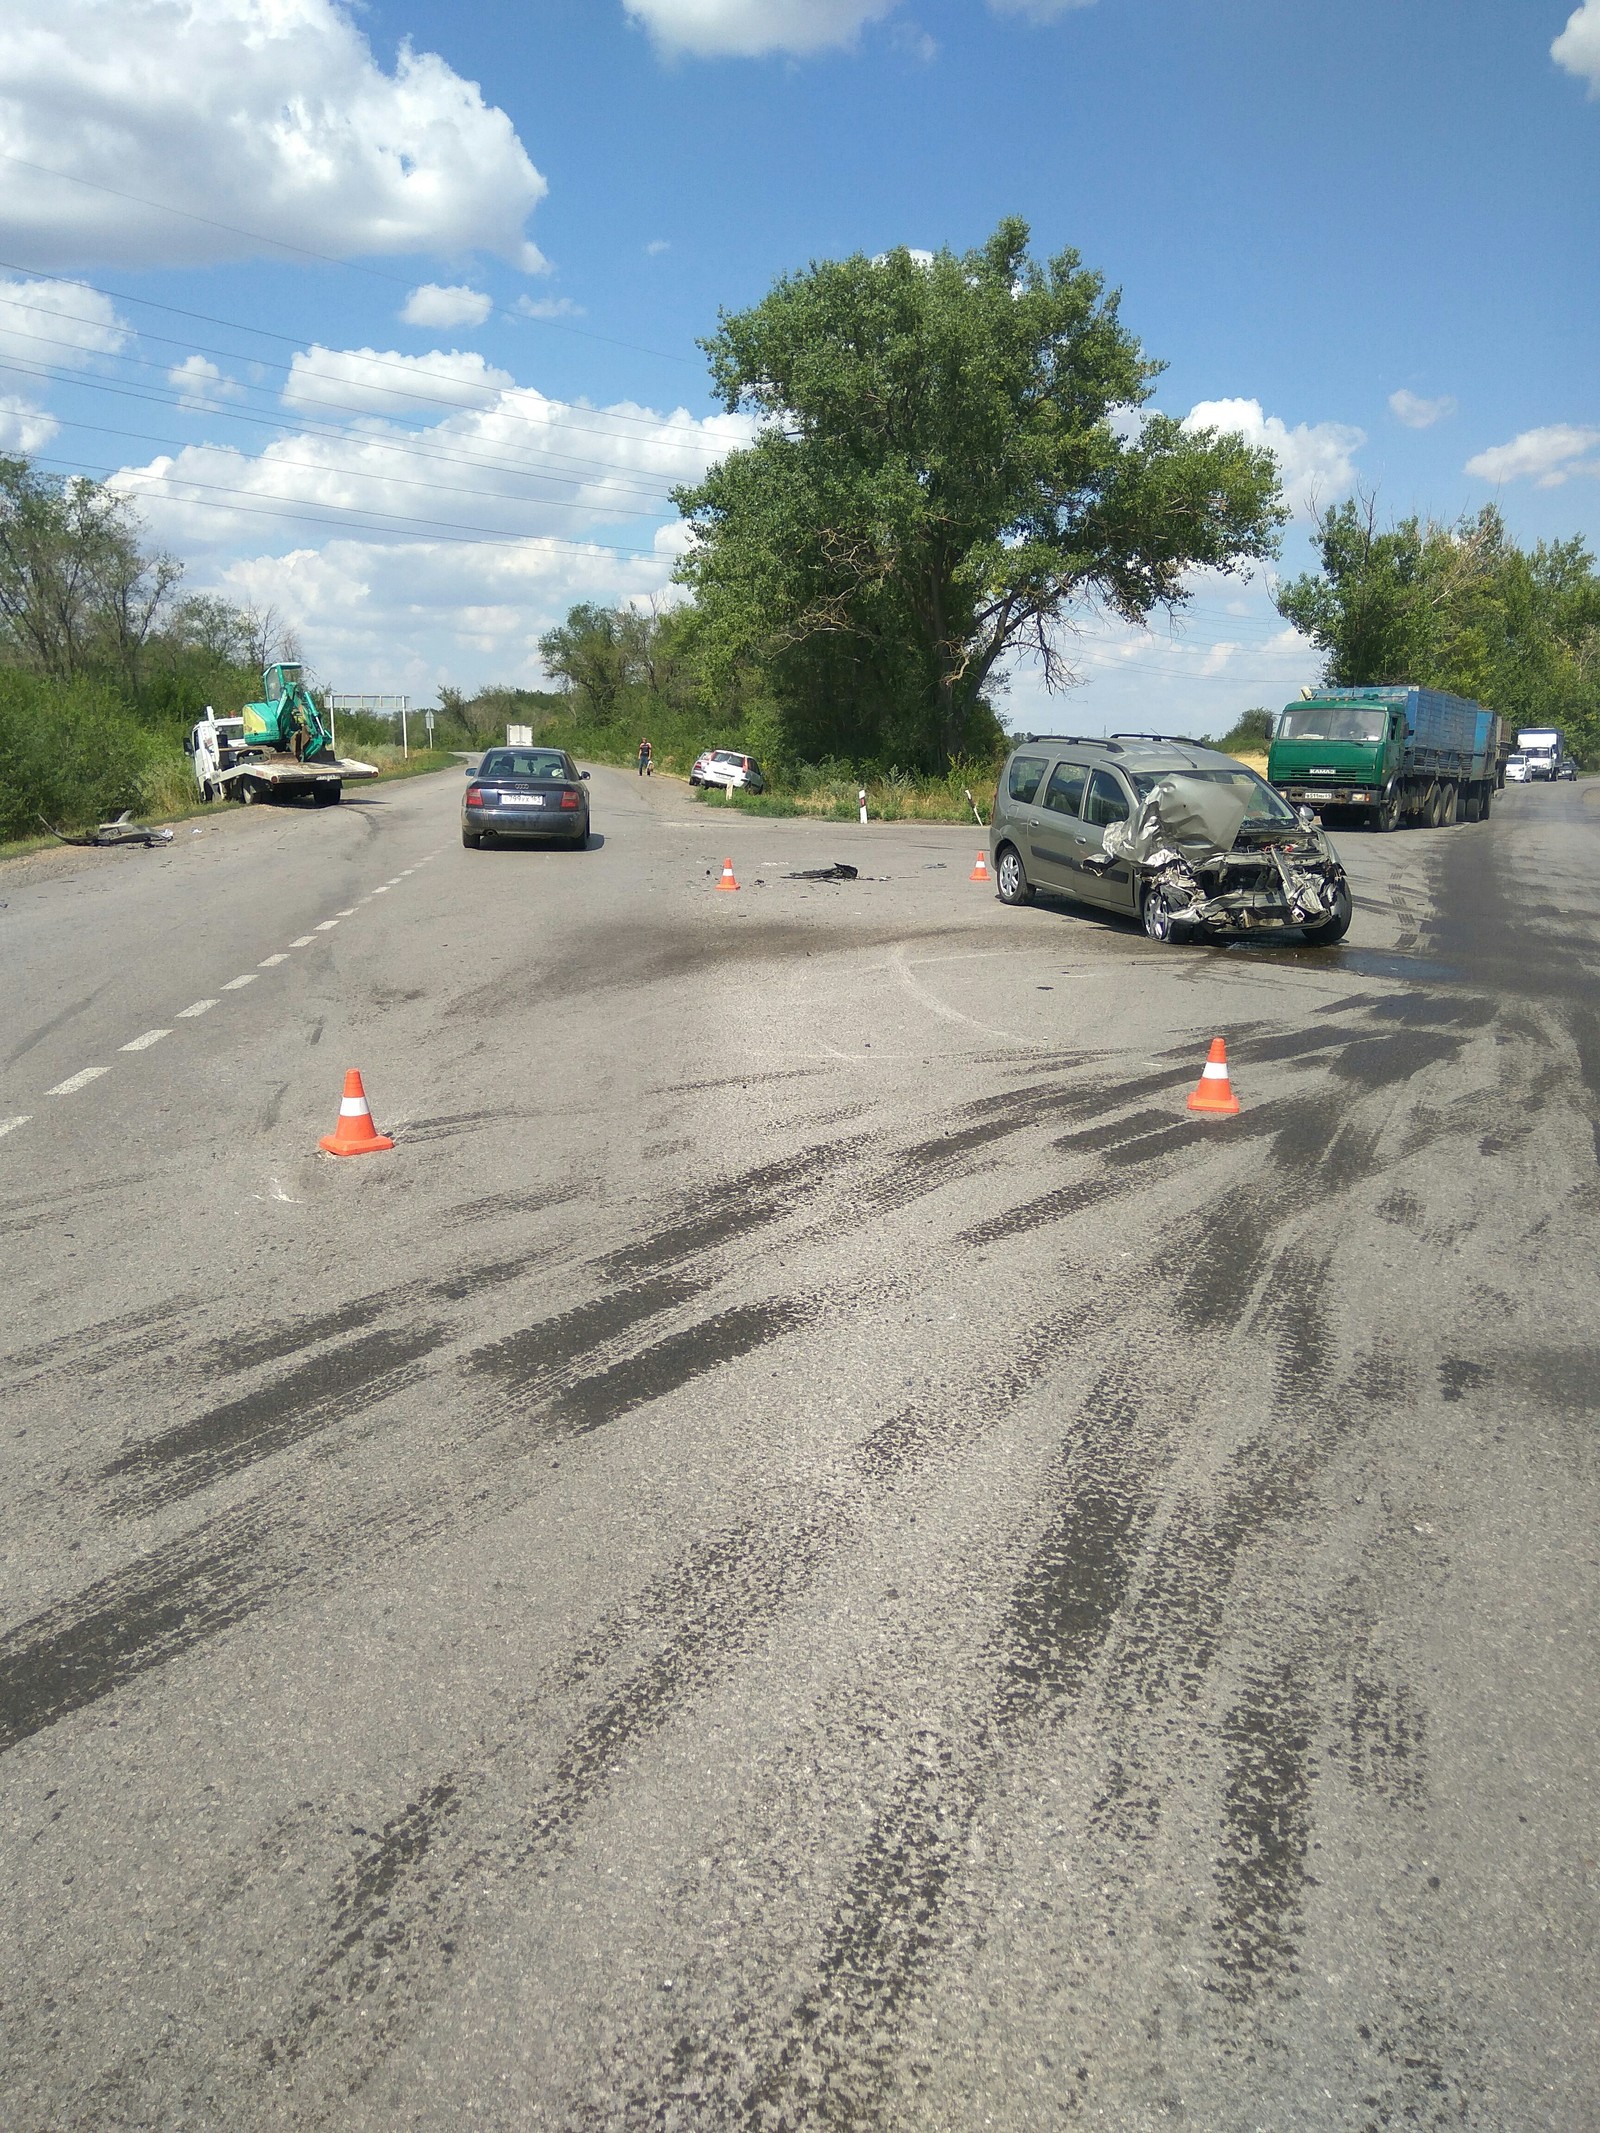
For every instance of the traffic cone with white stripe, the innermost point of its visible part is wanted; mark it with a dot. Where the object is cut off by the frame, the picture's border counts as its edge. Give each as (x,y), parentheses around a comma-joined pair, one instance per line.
(355,1133)
(1215,1092)
(727,881)
(980,870)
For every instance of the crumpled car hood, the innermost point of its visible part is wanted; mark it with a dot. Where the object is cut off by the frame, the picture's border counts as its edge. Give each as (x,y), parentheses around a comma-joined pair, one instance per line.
(1189,818)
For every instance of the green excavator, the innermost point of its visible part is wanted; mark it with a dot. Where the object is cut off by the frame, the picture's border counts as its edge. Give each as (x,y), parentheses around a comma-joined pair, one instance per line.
(277,748)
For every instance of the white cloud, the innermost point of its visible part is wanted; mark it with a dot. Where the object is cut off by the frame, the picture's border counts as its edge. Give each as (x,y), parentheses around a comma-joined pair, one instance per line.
(442,308)
(272,115)
(1038,10)
(656,246)
(1578,47)
(747,29)
(57,322)
(403,387)
(1417,413)
(524,483)
(24,427)
(1314,458)
(750,29)
(1545,455)
(201,385)
(549,307)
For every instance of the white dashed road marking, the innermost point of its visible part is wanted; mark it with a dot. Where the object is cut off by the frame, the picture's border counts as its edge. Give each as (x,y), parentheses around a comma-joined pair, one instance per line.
(271,962)
(200,1007)
(143,1044)
(304,941)
(327,925)
(10,1125)
(238,984)
(350,913)
(77,1081)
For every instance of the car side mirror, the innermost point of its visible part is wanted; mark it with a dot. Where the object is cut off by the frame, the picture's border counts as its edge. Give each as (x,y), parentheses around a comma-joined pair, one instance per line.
(469,772)
(583,773)
(1307,817)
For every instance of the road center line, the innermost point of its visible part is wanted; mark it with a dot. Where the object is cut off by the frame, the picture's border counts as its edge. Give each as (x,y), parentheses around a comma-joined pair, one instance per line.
(77,1081)
(200,1007)
(350,913)
(271,962)
(10,1125)
(143,1044)
(382,890)
(304,941)
(238,984)
(327,925)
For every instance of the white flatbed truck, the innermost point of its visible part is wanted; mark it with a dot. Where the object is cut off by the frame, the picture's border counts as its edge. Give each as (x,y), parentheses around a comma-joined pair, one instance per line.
(229,767)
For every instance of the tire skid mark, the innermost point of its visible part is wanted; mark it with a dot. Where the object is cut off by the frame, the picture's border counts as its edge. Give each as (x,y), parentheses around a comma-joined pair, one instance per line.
(119,1627)
(1261,1873)
(112,1340)
(326,1389)
(706,1613)
(676,1360)
(525,1361)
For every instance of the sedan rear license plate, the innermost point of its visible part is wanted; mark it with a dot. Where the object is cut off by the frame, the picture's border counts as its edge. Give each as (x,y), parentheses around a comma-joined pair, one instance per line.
(522,799)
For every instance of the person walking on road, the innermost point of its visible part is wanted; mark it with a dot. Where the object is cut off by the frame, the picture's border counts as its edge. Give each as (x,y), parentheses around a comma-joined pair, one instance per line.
(645,755)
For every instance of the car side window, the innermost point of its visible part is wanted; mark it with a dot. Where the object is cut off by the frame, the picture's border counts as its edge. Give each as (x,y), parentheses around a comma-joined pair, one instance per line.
(1023,783)
(1107,801)
(1064,793)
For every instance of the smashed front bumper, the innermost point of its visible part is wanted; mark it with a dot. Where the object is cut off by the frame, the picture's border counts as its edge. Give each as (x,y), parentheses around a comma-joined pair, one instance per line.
(1183,843)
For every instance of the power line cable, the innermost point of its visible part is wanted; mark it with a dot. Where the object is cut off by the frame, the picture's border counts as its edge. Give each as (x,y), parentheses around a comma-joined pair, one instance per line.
(233,229)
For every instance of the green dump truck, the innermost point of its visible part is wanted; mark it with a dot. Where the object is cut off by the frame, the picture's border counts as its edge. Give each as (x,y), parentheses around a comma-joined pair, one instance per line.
(1389,755)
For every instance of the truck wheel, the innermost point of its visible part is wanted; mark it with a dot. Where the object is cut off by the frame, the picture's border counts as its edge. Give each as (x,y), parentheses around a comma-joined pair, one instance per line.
(326,795)
(249,792)
(1011,884)
(1386,815)
(1471,803)
(1336,925)
(1432,810)
(1486,803)
(1450,805)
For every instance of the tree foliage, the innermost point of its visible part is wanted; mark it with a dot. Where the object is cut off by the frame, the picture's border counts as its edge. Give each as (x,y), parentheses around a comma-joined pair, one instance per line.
(1460,607)
(949,467)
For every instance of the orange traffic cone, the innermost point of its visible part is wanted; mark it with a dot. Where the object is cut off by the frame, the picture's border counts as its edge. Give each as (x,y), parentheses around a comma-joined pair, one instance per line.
(355,1133)
(1215,1092)
(727,881)
(980,871)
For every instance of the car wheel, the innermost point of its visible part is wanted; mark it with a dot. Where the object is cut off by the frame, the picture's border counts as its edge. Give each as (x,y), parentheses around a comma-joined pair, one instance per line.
(1157,915)
(1336,925)
(1011,884)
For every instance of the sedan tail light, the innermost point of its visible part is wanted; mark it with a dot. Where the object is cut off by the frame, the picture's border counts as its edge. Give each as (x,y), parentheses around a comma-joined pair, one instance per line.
(569,799)
(474,796)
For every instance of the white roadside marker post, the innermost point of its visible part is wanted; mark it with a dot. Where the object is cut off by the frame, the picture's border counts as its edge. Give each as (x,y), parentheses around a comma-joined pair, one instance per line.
(862,796)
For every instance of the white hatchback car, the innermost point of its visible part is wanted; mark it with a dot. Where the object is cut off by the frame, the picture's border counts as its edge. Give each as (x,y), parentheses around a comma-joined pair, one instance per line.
(728,769)
(1516,770)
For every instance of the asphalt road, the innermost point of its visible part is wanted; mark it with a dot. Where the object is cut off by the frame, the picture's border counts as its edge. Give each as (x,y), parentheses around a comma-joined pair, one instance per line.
(809,1550)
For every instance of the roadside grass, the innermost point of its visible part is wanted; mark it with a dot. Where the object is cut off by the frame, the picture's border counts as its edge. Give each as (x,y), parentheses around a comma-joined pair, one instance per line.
(167,792)
(895,796)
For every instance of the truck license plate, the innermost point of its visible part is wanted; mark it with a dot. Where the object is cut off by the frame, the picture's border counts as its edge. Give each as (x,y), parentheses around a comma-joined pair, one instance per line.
(1319,795)
(523,799)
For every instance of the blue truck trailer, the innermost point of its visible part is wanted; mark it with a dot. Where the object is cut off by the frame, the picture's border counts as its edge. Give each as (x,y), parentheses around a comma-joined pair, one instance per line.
(1391,755)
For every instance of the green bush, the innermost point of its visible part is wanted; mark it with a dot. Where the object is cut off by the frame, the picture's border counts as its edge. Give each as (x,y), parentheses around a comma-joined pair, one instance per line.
(70,753)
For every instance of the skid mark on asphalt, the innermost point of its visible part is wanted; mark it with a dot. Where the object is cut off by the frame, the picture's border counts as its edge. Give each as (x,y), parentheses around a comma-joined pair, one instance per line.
(323,1391)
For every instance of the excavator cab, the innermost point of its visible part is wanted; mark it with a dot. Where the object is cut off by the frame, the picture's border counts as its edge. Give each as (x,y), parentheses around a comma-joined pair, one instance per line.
(287,717)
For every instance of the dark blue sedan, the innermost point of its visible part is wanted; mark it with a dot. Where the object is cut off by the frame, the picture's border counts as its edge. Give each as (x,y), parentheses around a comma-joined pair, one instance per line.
(525,793)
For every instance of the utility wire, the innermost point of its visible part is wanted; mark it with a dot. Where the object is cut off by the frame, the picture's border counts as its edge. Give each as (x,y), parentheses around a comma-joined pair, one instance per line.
(327,259)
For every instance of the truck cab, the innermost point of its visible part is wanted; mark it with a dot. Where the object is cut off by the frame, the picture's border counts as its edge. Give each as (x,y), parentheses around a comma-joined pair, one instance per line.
(1339,752)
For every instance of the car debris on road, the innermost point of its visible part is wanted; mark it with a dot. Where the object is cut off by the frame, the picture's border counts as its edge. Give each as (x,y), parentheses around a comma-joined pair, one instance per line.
(121,831)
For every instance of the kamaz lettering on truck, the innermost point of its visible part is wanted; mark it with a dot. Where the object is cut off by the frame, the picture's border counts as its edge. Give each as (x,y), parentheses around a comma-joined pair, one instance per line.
(1392,755)
(1544,748)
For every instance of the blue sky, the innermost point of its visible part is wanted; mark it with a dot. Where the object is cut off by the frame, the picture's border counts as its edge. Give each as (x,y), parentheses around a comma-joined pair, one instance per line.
(453,262)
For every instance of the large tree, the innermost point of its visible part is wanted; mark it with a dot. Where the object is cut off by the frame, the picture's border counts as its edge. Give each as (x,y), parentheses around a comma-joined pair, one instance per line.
(951,466)
(1460,607)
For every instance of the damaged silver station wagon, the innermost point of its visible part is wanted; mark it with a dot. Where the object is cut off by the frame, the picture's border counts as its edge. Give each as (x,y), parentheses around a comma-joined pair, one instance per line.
(1188,841)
